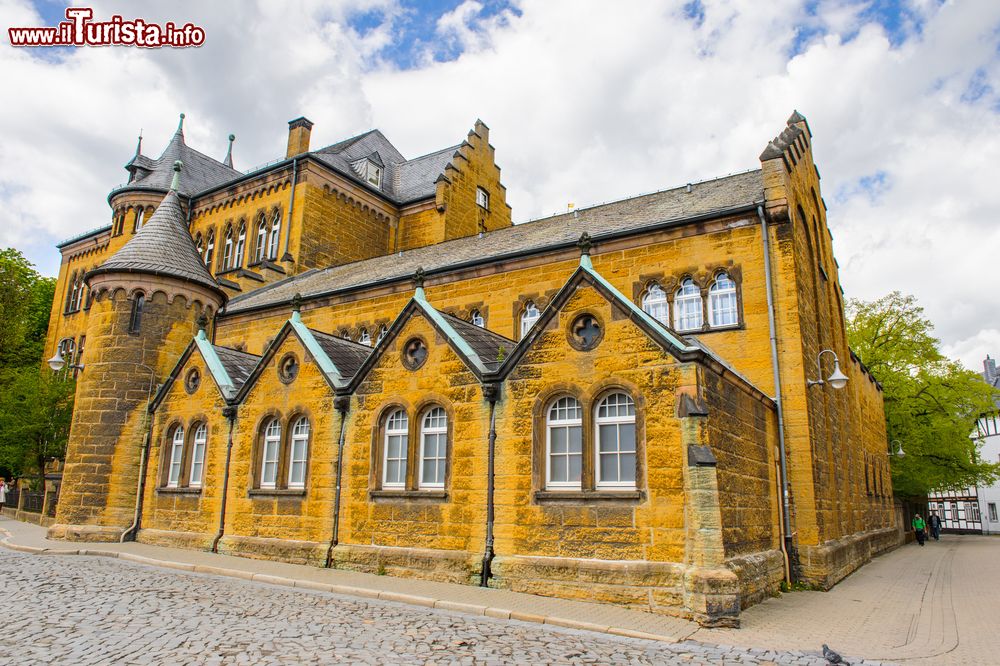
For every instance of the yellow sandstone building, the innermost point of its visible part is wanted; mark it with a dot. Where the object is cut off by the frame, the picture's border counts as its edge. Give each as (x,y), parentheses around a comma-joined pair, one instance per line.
(352,359)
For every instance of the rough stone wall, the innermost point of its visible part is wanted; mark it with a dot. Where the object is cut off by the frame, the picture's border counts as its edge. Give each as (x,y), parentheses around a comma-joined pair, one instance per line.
(432,534)
(106,437)
(419,229)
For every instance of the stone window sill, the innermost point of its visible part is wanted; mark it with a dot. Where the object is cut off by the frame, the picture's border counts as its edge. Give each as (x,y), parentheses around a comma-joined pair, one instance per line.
(587,496)
(276,492)
(178,491)
(403,493)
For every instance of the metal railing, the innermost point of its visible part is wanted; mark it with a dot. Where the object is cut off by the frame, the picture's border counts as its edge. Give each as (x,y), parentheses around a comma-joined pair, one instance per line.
(33,502)
(12,497)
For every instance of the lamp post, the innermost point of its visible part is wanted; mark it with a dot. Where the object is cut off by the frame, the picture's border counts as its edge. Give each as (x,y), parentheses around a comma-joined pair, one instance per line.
(836,379)
(899,453)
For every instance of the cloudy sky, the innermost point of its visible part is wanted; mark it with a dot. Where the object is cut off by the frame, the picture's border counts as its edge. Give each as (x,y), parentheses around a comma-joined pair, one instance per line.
(586,101)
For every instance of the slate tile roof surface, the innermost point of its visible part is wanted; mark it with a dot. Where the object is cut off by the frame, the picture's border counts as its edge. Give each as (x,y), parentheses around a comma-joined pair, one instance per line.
(200,171)
(488,345)
(162,246)
(345,354)
(628,215)
(238,364)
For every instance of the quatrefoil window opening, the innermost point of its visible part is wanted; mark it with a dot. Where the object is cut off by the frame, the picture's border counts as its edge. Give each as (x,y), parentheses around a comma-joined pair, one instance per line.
(192,380)
(414,353)
(288,368)
(586,331)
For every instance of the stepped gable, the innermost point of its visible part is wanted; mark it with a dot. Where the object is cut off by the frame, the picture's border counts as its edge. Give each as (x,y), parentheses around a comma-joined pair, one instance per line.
(201,172)
(673,206)
(162,246)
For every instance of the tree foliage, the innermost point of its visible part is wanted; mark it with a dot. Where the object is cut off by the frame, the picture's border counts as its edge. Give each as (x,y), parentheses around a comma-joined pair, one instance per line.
(931,402)
(25,304)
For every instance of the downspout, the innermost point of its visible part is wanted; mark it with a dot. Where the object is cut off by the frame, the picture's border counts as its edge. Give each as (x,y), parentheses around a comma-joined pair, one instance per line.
(342,403)
(786,522)
(491,392)
(129,534)
(291,208)
(230,413)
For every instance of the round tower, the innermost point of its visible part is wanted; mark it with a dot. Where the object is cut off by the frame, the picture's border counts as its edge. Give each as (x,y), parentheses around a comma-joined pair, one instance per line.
(146,301)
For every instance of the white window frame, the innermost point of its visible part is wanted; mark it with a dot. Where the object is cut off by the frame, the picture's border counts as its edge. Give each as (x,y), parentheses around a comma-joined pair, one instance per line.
(688,295)
(210,248)
(298,455)
(364,337)
(241,244)
(382,332)
(723,308)
(529,316)
(991,507)
(397,424)
(227,252)
(176,457)
(655,304)
(261,239)
(438,430)
(617,421)
(270,454)
(272,243)
(477,319)
(198,445)
(482,198)
(564,424)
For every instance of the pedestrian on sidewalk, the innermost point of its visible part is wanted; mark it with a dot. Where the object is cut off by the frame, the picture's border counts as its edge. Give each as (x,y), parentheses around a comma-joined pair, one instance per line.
(919,526)
(3,493)
(935,524)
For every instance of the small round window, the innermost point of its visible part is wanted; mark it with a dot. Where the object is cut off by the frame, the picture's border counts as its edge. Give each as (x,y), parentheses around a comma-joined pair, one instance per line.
(288,368)
(414,353)
(585,332)
(192,380)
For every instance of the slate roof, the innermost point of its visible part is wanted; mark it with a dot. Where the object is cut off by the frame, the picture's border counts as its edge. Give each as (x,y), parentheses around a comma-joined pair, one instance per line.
(200,173)
(162,246)
(238,364)
(345,354)
(487,344)
(675,205)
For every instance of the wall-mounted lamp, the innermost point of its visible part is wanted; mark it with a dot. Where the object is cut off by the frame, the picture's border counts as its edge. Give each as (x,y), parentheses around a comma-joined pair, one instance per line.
(899,453)
(57,362)
(837,379)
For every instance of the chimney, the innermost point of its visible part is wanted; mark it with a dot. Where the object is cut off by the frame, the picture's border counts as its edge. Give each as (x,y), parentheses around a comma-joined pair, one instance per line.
(990,368)
(298,136)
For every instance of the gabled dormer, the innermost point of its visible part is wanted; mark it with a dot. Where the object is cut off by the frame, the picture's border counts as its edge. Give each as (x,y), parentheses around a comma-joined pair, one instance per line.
(370,169)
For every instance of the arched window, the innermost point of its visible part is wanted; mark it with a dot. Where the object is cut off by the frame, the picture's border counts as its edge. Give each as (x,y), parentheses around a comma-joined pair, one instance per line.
(241,242)
(74,285)
(615,437)
(477,318)
(722,302)
(433,448)
(299,454)
(210,248)
(382,332)
(135,321)
(564,443)
(198,455)
(176,457)
(227,251)
(199,244)
(364,338)
(396,445)
(529,316)
(66,350)
(272,244)
(687,306)
(137,222)
(654,302)
(261,239)
(269,454)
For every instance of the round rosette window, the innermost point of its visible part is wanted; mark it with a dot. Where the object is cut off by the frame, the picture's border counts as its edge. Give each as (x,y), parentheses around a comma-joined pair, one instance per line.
(414,353)
(585,332)
(192,380)
(288,368)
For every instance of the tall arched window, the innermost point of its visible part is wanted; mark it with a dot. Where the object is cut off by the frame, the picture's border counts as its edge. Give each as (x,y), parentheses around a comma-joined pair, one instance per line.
(199,244)
(687,306)
(227,250)
(396,445)
(135,322)
(364,338)
(433,448)
(261,239)
(198,455)
(137,221)
(272,244)
(176,457)
(477,318)
(66,349)
(382,332)
(210,248)
(299,454)
(564,444)
(654,302)
(241,242)
(269,454)
(615,437)
(74,286)
(529,316)
(722,302)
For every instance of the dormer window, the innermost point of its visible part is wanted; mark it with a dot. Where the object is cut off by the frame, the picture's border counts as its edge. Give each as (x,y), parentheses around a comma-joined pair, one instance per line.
(374,175)
(482,198)
(369,170)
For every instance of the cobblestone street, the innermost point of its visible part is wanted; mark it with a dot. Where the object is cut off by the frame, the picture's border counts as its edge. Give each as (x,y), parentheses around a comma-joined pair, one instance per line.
(91,610)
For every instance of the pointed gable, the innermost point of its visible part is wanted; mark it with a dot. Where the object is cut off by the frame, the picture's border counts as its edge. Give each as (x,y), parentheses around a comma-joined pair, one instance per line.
(229,368)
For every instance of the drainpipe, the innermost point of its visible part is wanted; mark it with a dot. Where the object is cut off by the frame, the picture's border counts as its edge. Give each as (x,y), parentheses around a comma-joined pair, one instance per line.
(342,403)
(129,534)
(230,413)
(291,208)
(491,392)
(786,522)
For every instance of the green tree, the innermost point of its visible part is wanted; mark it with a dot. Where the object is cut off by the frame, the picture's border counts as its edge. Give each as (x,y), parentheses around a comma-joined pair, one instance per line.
(25,303)
(931,402)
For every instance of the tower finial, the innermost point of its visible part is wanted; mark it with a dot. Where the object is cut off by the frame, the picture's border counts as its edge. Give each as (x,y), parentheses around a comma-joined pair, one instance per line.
(229,153)
(202,322)
(138,146)
(297,302)
(180,125)
(175,183)
(418,278)
(584,244)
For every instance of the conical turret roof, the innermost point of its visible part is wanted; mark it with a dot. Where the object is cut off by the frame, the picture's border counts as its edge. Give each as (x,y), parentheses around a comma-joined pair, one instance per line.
(163,246)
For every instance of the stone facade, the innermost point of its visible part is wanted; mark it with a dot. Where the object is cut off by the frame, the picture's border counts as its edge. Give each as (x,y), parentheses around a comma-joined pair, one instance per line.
(298,460)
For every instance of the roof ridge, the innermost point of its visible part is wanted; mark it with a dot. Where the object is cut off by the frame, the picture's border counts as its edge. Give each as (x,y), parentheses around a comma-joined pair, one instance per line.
(337,338)
(430,154)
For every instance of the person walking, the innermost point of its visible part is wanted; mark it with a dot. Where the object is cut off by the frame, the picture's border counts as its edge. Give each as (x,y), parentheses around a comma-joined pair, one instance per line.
(919,526)
(3,493)
(935,524)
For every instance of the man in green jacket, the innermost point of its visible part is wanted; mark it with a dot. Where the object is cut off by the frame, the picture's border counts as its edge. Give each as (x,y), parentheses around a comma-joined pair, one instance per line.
(919,526)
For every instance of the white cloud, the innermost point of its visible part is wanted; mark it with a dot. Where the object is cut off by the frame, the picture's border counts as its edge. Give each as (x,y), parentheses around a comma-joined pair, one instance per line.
(586,101)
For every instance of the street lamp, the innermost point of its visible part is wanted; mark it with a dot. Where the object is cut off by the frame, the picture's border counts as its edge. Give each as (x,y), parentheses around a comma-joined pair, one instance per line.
(837,379)
(899,453)
(57,362)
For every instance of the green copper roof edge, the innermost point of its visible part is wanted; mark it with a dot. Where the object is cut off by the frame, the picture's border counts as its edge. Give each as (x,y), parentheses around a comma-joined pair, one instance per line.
(215,365)
(448,330)
(309,340)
